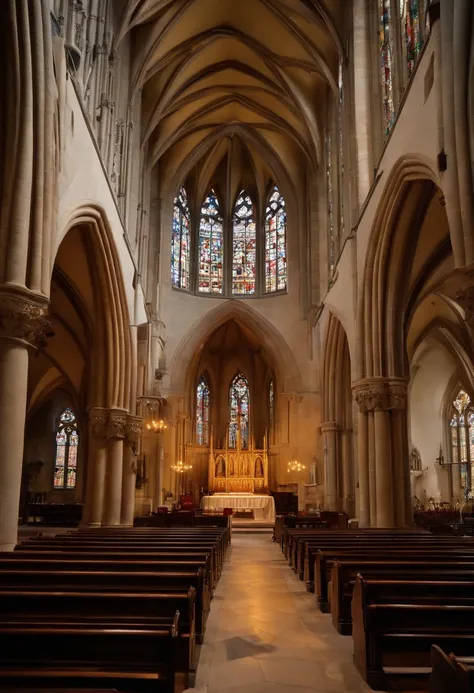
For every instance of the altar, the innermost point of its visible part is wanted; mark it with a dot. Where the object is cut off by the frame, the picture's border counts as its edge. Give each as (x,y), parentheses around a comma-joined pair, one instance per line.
(263,506)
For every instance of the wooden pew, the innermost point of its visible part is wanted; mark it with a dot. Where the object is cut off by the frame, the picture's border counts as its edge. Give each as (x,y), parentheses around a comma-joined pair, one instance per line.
(450,674)
(344,574)
(116,609)
(324,565)
(392,641)
(89,657)
(112,581)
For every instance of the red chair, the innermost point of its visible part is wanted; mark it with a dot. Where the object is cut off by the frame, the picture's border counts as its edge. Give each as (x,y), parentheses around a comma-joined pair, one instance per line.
(227,512)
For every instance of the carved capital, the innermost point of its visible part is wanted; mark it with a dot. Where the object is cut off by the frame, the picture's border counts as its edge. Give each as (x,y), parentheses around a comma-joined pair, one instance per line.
(329,426)
(98,418)
(465,298)
(133,429)
(116,423)
(380,394)
(22,316)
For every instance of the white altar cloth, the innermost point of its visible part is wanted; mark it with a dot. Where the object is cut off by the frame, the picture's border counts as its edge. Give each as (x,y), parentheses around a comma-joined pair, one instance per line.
(263,506)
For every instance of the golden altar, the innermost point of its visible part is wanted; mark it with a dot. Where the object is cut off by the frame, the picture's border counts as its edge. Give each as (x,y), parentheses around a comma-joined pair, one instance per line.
(237,470)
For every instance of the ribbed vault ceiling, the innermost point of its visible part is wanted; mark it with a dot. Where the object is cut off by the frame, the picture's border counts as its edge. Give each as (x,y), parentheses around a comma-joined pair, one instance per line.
(254,71)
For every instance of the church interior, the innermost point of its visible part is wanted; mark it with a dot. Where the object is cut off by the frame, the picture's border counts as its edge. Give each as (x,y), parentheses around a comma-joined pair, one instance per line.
(237,345)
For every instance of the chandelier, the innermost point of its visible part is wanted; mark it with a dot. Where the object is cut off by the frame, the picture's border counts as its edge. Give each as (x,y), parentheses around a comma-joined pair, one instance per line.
(157,426)
(295,466)
(180,467)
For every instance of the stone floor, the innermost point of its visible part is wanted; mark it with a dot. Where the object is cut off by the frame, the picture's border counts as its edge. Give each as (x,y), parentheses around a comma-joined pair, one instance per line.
(265,634)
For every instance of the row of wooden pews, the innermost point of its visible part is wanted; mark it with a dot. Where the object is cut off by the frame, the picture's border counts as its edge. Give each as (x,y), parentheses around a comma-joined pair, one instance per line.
(397,592)
(122,609)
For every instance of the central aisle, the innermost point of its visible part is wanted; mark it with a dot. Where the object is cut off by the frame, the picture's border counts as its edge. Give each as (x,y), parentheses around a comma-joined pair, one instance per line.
(265,634)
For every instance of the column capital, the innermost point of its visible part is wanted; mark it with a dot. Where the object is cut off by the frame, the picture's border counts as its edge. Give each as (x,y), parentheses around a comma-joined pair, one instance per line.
(380,393)
(133,428)
(23,316)
(116,423)
(98,417)
(328,426)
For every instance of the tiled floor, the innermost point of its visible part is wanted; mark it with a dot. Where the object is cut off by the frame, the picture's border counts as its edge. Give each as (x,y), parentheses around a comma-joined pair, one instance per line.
(265,634)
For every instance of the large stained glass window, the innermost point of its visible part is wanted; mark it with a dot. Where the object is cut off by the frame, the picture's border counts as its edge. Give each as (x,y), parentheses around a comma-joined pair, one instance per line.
(202,412)
(411,29)
(340,105)
(244,242)
(67,441)
(462,440)
(275,243)
(211,247)
(386,56)
(239,411)
(181,242)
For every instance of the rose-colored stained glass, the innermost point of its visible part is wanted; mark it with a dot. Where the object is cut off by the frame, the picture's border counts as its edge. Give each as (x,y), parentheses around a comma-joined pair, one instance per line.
(244,246)
(211,247)
(275,243)
(411,32)
(181,242)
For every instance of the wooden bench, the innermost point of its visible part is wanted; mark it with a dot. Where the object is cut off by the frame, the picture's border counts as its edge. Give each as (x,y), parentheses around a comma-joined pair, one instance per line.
(111,608)
(451,674)
(392,641)
(344,574)
(82,656)
(113,581)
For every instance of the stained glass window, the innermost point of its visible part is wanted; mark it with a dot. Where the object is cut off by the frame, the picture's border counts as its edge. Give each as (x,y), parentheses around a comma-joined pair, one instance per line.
(244,241)
(330,204)
(202,413)
(462,440)
(211,247)
(67,441)
(271,404)
(386,63)
(239,410)
(411,32)
(181,242)
(275,242)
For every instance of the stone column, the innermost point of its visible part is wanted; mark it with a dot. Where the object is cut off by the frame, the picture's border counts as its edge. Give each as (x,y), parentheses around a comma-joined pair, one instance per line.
(133,430)
(113,486)
(363,465)
(329,431)
(94,501)
(22,325)
(382,401)
(347,474)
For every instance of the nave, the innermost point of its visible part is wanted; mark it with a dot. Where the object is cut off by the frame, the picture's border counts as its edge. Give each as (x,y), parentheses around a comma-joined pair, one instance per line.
(265,633)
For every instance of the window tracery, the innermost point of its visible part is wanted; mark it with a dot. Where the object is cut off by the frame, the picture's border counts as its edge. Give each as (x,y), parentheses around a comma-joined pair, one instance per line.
(181,242)
(202,412)
(244,245)
(211,247)
(239,411)
(67,441)
(275,243)
(462,439)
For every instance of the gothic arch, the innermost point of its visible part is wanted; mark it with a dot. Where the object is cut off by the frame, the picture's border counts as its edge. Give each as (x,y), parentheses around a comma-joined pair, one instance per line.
(113,378)
(186,356)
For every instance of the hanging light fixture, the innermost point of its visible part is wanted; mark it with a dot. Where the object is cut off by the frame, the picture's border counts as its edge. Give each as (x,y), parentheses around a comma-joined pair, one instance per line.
(157,426)
(295,466)
(180,467)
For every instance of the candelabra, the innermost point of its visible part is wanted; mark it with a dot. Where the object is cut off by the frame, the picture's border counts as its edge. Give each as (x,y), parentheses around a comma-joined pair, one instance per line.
(180,467)
(157,426)
(295,466)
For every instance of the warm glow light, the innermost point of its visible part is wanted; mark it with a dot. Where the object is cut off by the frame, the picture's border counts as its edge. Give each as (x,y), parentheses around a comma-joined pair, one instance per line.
(157,426)
(180,467)
(295,466)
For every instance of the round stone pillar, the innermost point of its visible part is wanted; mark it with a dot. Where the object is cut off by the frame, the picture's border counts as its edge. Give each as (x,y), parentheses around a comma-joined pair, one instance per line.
(329,431)
(95,487)
(114,472)
(22,325)
(133,430)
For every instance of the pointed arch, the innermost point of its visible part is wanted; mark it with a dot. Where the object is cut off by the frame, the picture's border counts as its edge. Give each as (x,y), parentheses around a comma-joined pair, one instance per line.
(181,242)
(211,247)
(244,246)
(203,398)
(239,411)
(275,242)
